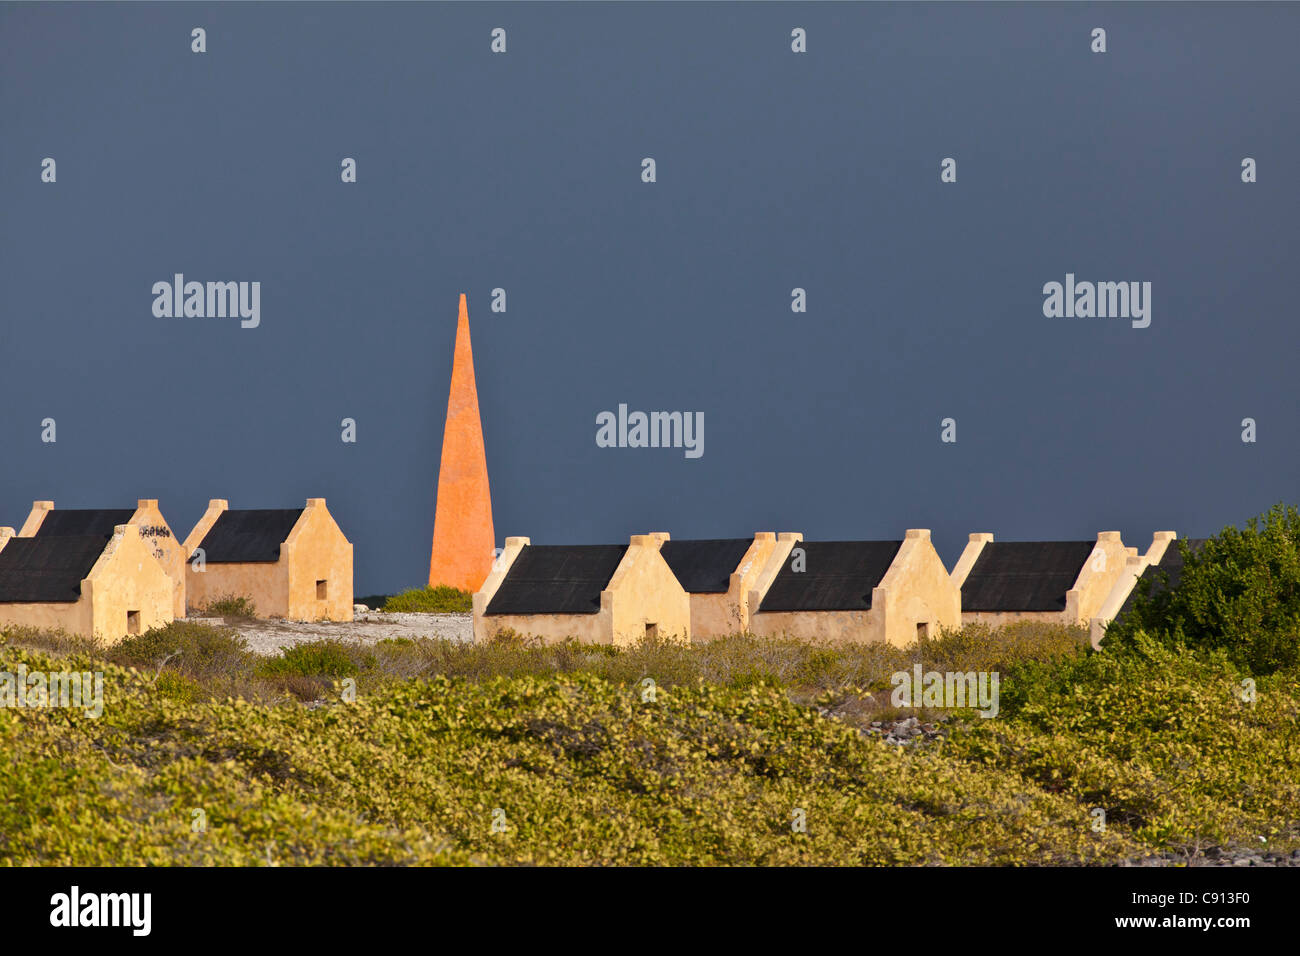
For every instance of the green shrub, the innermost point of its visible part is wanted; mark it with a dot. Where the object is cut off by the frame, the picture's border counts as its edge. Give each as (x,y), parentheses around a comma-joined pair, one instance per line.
(589,771)
(179,687)
(1159,736)
(440,600)
(231,606)
(317,659)
(199,651)
(1240,592)
(585,771)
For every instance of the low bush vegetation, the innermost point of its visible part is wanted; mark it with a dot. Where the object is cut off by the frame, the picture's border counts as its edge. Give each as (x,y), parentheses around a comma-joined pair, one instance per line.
(232,606)
(439,600)
(218,659)
(564,748)
(1179,747)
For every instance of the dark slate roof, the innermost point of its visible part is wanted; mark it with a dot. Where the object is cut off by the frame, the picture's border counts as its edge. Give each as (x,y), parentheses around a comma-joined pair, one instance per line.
(1164,573)
(78,521)
(251,535)
(705,566)
(557,579)
(838,576)
(1024,575)
(48,569)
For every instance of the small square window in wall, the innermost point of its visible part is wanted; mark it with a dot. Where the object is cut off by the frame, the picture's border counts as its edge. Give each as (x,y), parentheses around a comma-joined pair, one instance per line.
(133,622)
(322,590)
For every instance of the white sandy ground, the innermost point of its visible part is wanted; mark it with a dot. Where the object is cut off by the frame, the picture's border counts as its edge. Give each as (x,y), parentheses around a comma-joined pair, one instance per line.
(268,636)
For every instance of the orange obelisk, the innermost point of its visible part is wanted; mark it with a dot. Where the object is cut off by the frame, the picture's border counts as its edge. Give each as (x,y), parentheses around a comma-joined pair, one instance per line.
(462,524)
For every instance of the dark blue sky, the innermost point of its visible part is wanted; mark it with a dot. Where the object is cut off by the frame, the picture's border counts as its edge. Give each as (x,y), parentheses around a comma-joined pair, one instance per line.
(775,170)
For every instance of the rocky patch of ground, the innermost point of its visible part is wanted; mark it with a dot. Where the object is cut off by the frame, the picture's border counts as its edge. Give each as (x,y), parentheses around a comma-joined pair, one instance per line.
(267,636)
(905,732)
(1216,856)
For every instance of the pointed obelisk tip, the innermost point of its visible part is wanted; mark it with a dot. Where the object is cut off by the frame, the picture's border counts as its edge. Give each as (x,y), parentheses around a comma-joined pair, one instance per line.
(464,308)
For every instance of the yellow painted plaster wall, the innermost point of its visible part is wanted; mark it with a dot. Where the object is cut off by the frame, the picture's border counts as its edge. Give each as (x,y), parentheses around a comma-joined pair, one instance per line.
(974,545)
(780,553)
(917,590)
(643,590)
(645,593)
(1161,541)
(167,548)
(548,628)
(73,617)
(266,584)
(501,563)
(552,628)
(34,518)
(718,615)
(812,626)
(860,627)
(995,619)
(127,577)
(204,525)
(1104,566)
(154,528)
(316,550)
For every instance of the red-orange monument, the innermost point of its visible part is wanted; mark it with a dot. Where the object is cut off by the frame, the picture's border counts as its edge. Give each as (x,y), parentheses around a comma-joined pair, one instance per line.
(462,524)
